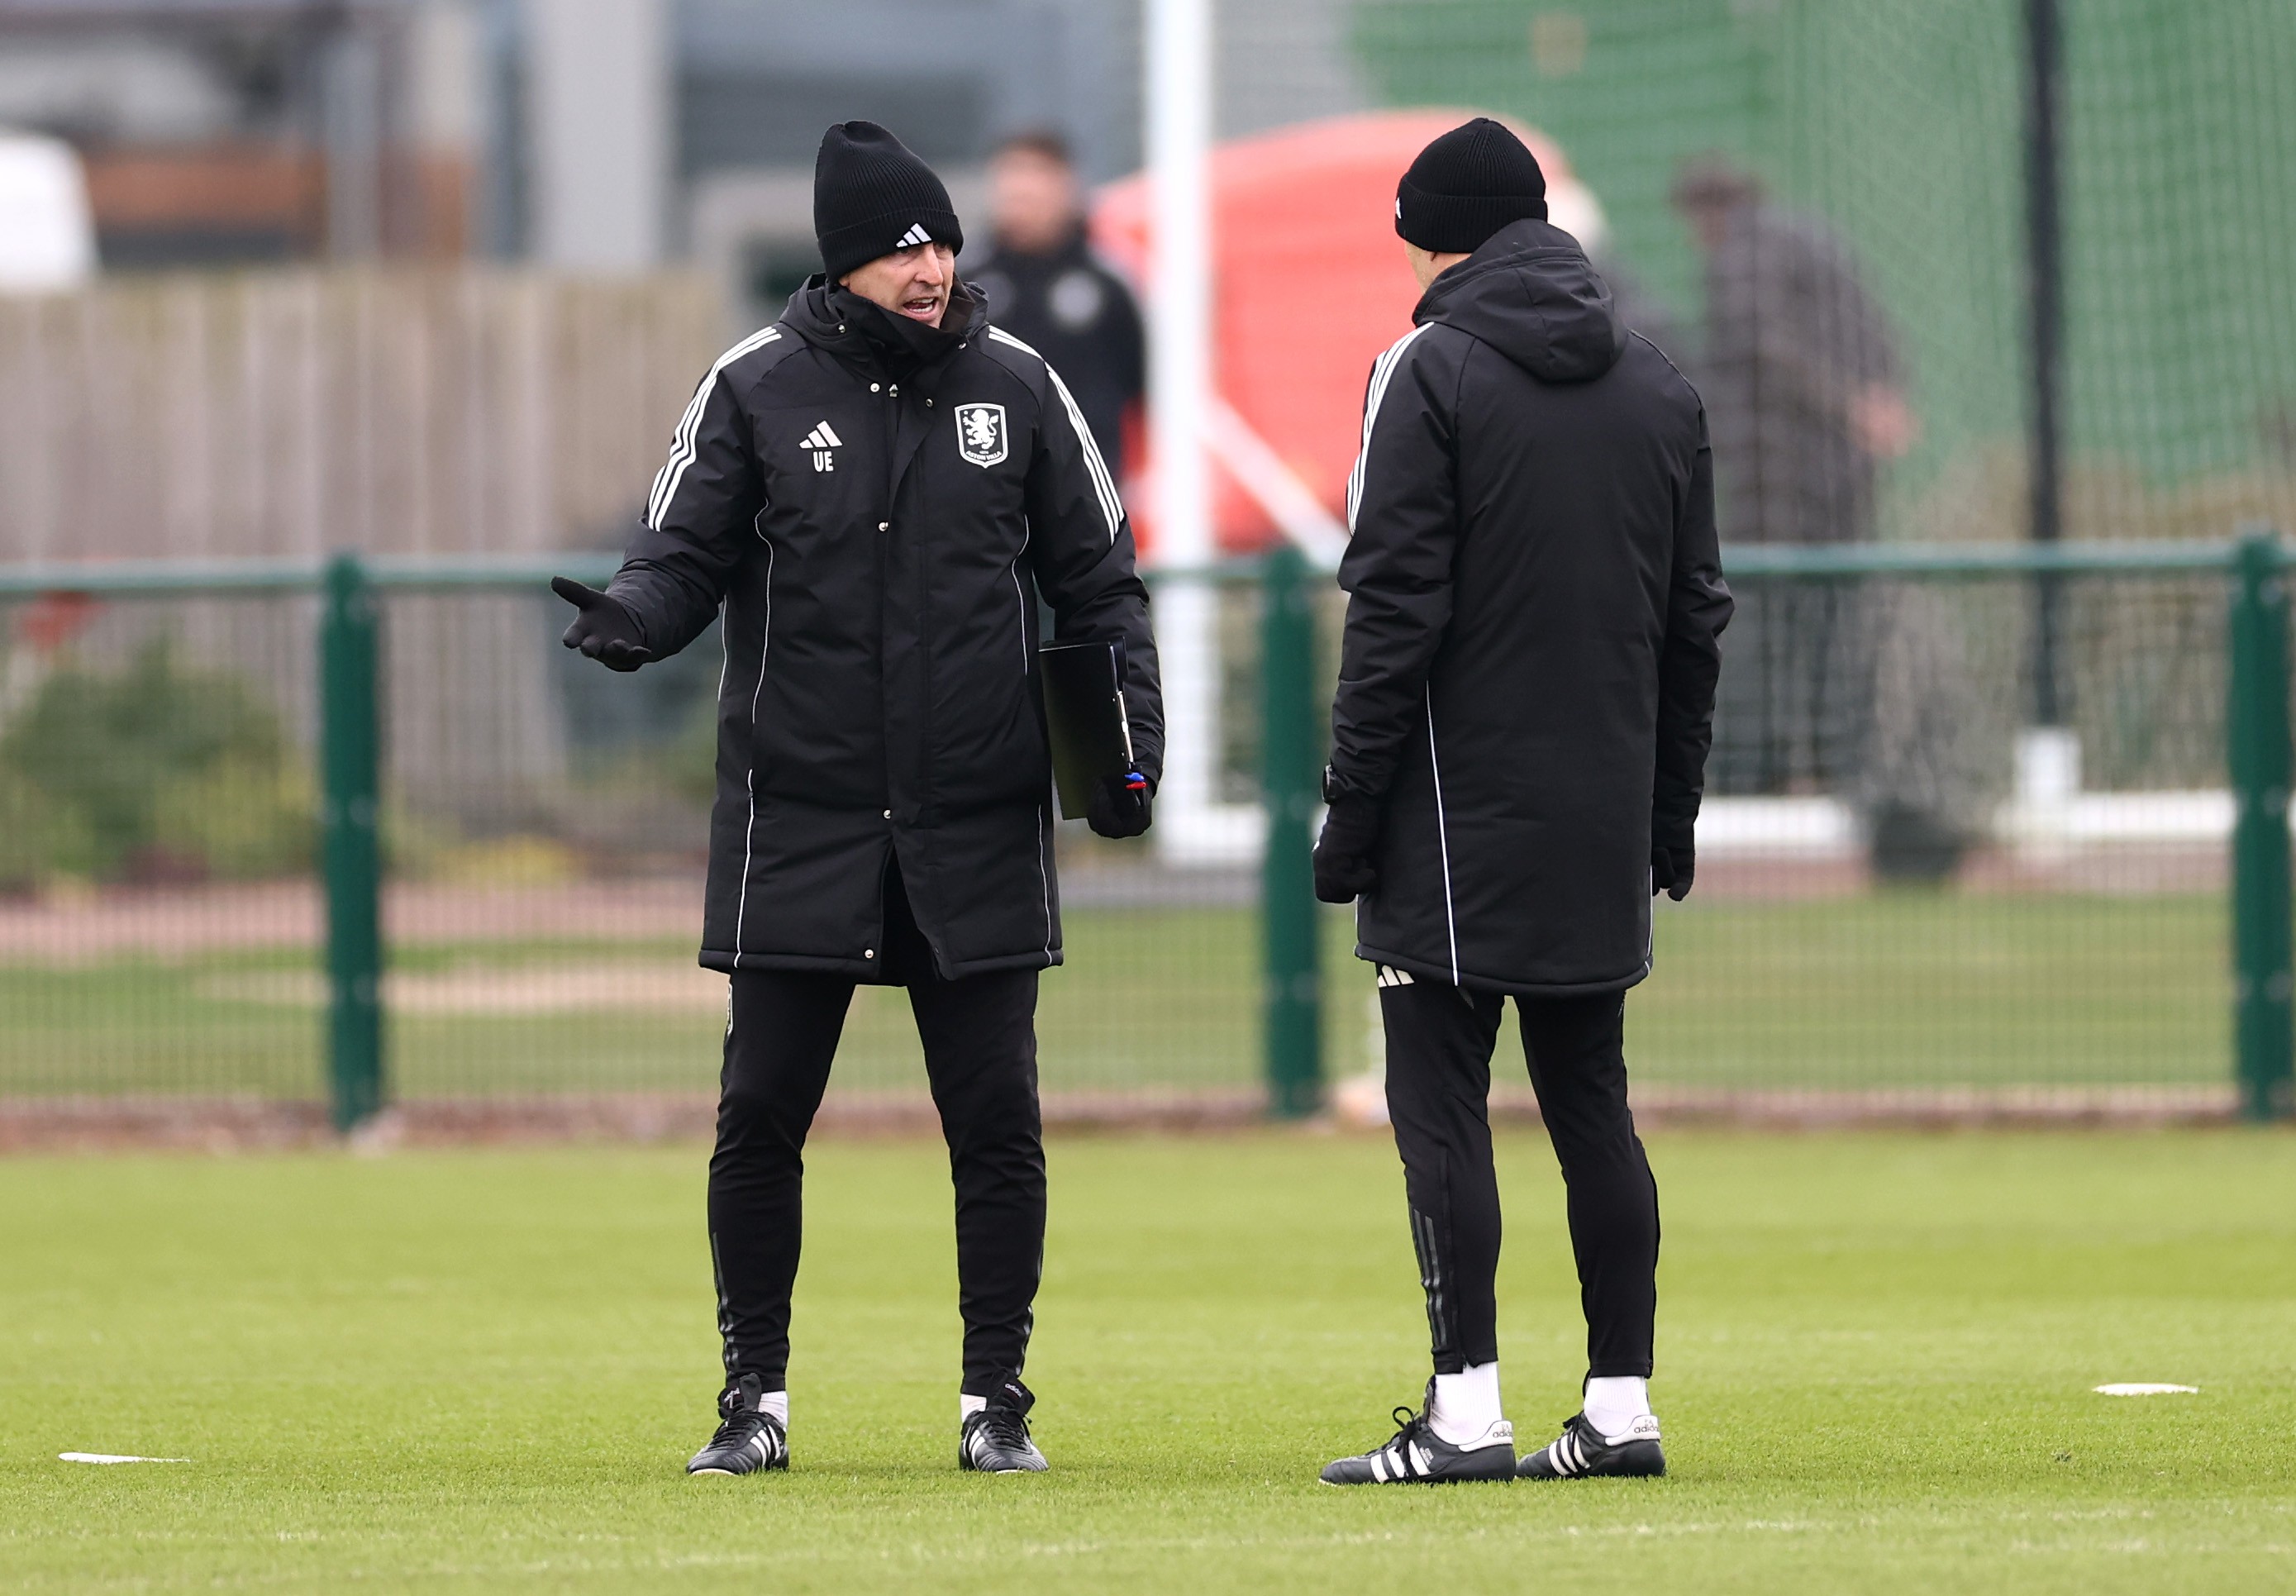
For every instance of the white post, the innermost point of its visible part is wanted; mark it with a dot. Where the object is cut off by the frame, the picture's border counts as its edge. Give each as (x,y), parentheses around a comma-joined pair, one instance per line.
(598,125)
(2048,785)
(1190,825)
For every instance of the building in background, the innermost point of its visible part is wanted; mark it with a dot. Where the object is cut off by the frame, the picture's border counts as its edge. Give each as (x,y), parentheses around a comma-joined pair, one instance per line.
(234,131)
(756,81)
(592,135)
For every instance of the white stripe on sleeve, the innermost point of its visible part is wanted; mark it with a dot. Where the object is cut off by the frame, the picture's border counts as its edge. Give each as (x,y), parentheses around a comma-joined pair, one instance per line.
(1381,369)
(1103,484)
(682,443)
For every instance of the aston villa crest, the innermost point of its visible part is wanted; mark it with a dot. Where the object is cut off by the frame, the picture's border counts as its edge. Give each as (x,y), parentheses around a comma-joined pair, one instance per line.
(981,434)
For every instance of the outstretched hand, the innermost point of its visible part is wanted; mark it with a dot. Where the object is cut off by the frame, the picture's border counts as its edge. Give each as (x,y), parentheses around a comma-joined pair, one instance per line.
(605,630)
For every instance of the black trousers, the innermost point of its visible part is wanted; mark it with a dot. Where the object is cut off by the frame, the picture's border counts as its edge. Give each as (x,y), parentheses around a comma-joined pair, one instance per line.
(1439,1041)
(980,1043)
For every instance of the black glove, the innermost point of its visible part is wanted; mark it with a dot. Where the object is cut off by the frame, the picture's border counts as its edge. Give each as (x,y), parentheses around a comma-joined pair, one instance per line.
(605,631)
(1120,806)
(1343,868)
(1671,870)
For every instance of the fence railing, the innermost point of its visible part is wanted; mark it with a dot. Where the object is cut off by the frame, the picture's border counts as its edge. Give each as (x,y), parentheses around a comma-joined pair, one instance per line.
(1719,1016)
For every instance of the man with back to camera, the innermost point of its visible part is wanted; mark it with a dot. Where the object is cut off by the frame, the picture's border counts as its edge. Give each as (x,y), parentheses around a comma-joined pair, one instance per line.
(1044,285)
(871,487)
(1526,690)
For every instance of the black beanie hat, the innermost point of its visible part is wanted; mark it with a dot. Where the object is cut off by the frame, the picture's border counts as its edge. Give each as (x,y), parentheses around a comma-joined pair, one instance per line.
(1465,186)
(871,196)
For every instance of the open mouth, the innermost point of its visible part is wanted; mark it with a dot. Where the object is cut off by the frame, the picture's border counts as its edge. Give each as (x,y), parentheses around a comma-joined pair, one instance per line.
(923,309)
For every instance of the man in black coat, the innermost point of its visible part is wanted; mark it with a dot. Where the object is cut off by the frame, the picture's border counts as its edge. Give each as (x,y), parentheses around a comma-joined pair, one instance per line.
(876,490)
(1044,284)
(1525,689)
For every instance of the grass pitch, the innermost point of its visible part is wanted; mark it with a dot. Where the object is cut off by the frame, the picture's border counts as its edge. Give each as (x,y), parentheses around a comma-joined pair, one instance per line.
(1892,988)
(482,1371)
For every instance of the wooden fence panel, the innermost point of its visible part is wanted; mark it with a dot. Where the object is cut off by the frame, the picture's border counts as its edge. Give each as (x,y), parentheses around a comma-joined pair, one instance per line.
(394,410)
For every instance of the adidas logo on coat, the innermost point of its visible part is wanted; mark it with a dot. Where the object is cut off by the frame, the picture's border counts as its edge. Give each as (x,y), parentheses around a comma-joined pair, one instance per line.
(821,440)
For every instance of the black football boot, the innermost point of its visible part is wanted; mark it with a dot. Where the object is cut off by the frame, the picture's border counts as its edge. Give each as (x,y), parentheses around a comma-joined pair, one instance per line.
(750,1439)
(995,1440)
(1582,1451)
(1415,1455)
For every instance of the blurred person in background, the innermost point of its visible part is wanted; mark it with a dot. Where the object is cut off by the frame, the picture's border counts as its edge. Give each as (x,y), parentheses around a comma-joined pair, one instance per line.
(1804,386)
(876,489)
(1517,745)
(1045,285)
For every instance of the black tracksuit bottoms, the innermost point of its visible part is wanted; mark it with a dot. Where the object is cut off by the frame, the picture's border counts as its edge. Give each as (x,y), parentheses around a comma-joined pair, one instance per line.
(980,1043)
(1439,1041)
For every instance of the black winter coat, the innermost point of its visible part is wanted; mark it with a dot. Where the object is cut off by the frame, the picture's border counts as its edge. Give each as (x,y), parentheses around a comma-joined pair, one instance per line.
(877,505)
(1526,679)
(1078,314)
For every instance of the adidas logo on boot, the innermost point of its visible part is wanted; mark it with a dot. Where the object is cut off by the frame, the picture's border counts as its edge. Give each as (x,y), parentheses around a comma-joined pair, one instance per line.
(1582,1451)
(1415,1455)
(750,1439)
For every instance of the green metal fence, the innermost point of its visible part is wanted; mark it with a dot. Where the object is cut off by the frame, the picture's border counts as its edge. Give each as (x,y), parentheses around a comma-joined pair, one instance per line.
(497,886)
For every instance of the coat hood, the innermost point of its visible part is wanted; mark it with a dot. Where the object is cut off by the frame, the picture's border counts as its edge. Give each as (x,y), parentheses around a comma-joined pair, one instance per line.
(1530,295)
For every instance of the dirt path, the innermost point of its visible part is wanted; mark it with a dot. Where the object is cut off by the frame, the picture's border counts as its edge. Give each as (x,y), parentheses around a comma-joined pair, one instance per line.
(177,923)
(242,1125)
(589,987)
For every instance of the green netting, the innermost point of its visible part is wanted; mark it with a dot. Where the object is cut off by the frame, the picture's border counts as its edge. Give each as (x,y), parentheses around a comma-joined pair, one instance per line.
(1892,894)
(1886,908)
(1897,125)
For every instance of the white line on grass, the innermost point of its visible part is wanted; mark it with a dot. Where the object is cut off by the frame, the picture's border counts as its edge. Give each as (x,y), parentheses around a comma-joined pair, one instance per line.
(111,1457)
(2145,1389)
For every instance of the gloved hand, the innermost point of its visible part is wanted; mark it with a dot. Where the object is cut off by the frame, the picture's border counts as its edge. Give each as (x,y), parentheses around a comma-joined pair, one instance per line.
(1671,870)
(1343,868)
(605,630)
(1121,805)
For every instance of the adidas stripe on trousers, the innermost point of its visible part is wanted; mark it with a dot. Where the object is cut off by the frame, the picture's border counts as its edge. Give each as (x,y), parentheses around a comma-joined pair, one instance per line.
(980,1043)
(1439,1042)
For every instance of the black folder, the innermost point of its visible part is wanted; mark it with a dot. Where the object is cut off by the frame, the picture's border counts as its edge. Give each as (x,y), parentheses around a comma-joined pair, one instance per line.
(1083,710)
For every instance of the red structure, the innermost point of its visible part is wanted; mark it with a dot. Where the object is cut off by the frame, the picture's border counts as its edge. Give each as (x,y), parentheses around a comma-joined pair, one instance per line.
(1310,286)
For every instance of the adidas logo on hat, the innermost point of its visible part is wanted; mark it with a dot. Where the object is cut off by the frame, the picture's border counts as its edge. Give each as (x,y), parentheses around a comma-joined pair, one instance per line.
(868,189)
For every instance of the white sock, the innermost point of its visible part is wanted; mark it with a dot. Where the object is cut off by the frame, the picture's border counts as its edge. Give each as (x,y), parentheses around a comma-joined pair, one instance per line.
(967,1406)
(775,1402)
(1615,1402)
(1466,1403)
